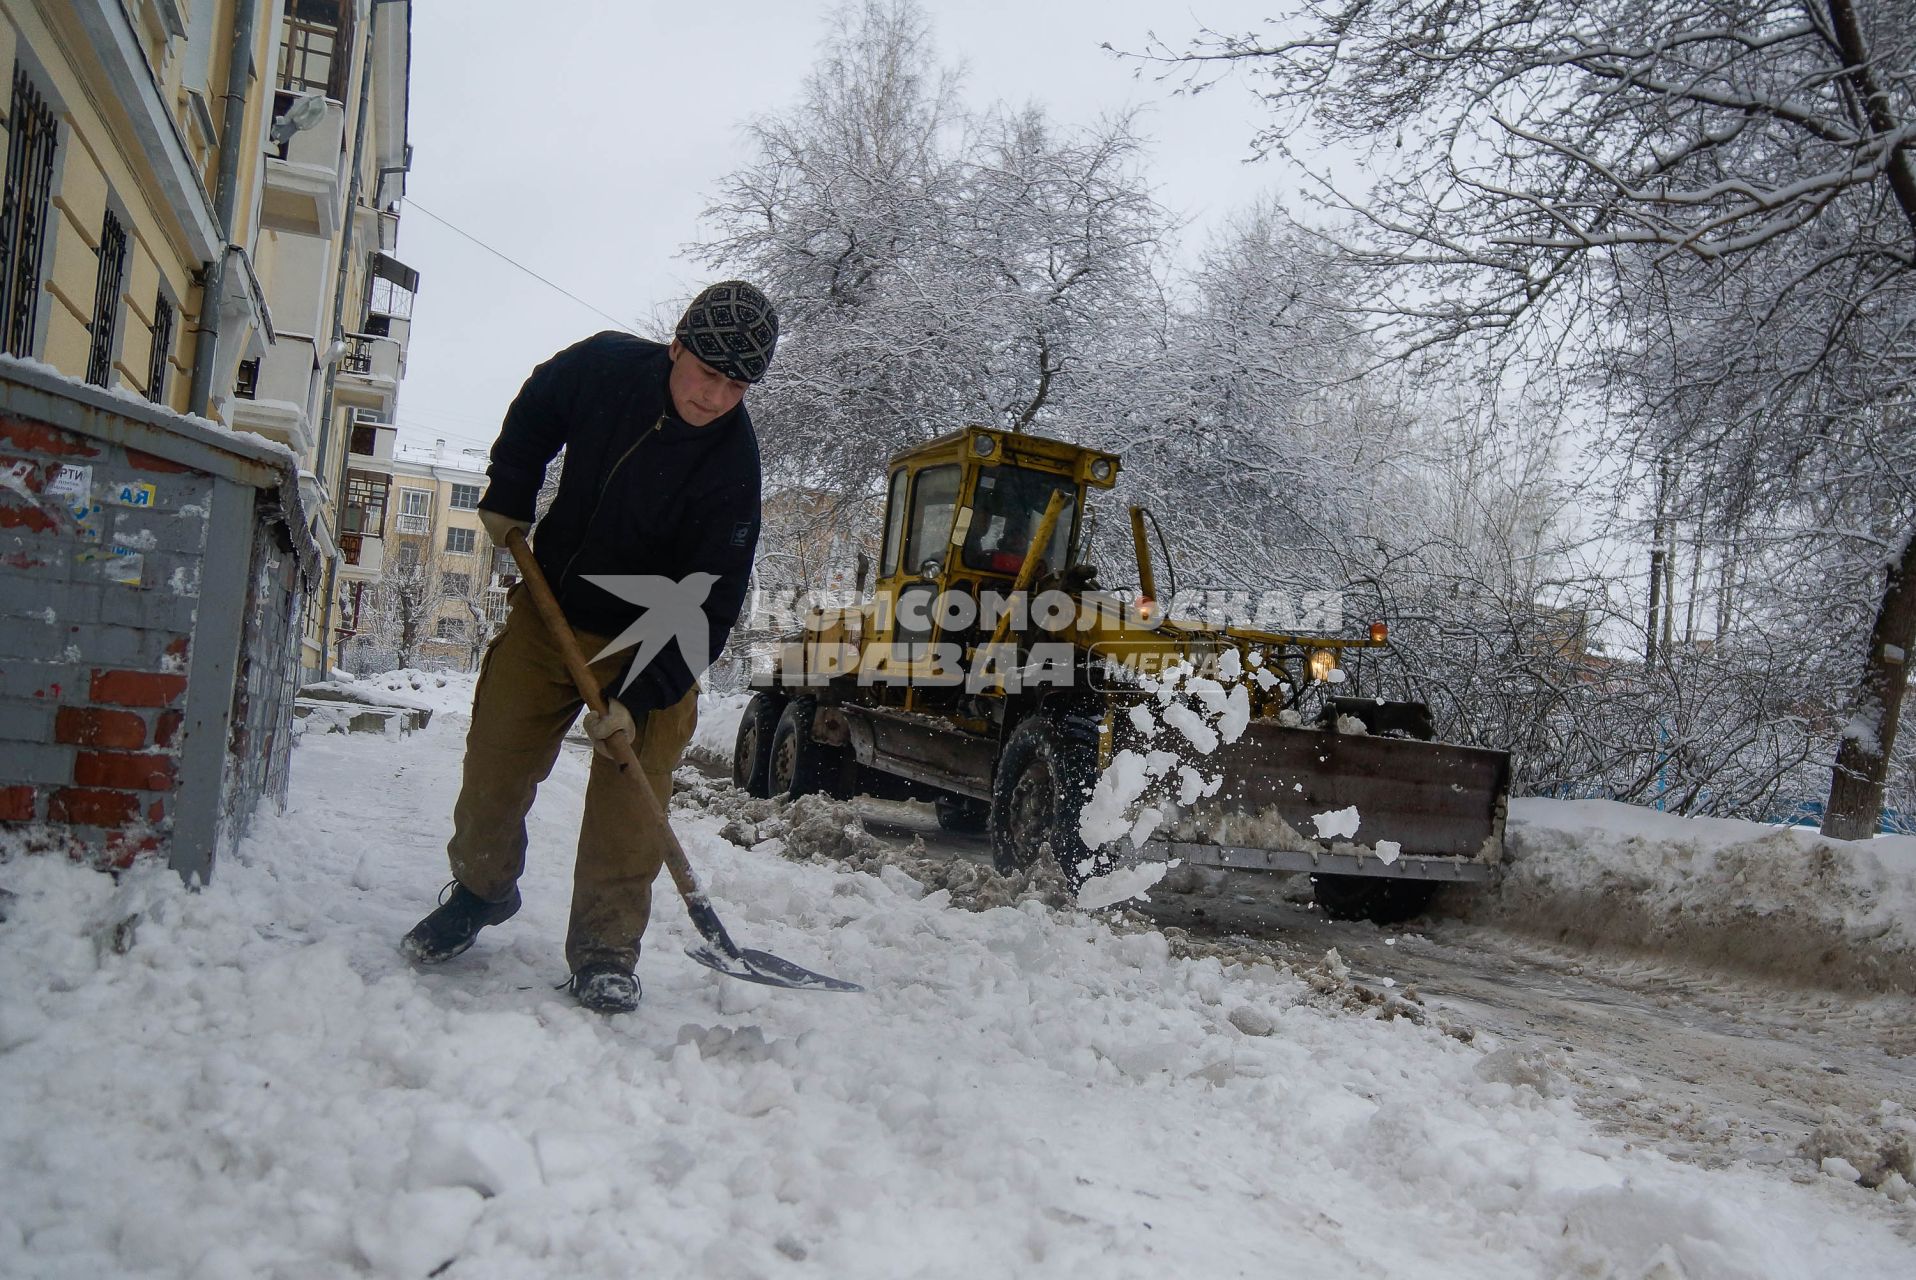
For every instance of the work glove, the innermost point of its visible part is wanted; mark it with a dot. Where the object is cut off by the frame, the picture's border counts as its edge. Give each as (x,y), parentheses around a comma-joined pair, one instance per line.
(605,730)
(499,525)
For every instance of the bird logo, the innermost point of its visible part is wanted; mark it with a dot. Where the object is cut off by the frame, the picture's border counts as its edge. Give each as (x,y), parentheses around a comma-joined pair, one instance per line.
(674,613)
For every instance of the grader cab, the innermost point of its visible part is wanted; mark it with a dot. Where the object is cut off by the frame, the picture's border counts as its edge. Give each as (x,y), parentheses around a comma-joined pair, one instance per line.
(987,671)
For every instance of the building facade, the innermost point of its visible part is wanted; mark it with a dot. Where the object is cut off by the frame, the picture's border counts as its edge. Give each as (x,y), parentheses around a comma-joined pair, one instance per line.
(426,586)
(202,203)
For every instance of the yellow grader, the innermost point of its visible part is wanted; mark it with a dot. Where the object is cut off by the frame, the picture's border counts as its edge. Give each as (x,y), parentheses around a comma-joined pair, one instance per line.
(988,673)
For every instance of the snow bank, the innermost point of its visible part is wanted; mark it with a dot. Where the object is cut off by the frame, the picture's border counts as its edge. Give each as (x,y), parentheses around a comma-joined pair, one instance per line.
(719,715)
(248,1081)
(1783,902)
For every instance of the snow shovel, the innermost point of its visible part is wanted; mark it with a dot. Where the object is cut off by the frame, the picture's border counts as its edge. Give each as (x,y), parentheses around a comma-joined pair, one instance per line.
(718,951)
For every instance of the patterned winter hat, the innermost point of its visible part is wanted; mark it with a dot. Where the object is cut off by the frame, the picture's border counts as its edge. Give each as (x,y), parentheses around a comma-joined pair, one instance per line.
(732,327)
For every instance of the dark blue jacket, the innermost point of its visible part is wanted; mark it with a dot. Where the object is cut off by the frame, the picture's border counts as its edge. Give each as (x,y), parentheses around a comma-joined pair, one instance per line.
(641,492)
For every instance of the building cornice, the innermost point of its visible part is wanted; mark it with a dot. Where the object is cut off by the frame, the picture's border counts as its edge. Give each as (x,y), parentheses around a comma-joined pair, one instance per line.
(117,46)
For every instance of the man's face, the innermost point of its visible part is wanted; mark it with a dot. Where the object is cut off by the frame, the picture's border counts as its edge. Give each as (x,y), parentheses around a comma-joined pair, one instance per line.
(701,394)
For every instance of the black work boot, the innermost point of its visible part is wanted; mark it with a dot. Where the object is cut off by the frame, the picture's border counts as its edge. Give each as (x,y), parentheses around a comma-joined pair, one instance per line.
(605,988)
(450,929)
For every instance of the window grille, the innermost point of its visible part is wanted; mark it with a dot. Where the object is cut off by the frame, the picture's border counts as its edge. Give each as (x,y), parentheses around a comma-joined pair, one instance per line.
(162,347)
(106,300)
(32,135)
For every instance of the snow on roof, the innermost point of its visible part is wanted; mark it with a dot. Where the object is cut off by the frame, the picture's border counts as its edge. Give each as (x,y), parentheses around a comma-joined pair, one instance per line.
(444,458)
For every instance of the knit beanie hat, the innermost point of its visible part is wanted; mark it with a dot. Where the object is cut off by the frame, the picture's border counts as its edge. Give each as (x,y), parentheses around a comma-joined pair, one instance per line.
(732,327)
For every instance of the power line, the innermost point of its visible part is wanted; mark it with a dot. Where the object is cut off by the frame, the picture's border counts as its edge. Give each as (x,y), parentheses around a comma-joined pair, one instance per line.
(414,204)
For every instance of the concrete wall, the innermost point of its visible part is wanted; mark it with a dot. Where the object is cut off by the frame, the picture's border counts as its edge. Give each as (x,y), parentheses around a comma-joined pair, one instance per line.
(151,573)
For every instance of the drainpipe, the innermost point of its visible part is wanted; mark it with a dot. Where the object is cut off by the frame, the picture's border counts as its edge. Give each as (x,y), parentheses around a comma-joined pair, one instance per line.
(239,70)
(350,217)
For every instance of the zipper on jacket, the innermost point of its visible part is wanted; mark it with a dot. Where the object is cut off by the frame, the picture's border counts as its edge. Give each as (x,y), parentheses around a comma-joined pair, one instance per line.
(565,574)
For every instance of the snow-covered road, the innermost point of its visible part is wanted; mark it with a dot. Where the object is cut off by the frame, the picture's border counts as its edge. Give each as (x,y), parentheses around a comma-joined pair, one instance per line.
(1700,1064)
(249,1082)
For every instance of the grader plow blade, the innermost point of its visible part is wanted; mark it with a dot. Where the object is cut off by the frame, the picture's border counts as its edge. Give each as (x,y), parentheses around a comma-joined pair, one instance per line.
(1423,810)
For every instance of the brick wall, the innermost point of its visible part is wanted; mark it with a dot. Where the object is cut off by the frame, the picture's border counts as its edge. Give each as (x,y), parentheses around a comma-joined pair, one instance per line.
(153,569)
(100,558)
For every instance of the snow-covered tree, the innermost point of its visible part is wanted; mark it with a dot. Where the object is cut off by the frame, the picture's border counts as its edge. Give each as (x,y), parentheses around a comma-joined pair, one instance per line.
(1727,191)
(933,266)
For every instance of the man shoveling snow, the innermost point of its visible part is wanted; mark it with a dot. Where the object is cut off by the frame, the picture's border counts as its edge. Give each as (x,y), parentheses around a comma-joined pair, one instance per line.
(650,538)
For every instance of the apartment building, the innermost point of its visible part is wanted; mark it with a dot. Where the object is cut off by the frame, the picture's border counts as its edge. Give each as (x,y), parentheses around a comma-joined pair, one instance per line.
(201,208)
(437,587)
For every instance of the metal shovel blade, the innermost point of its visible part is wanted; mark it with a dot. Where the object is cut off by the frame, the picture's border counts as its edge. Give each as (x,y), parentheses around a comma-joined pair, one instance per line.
(762,966)
(718,952)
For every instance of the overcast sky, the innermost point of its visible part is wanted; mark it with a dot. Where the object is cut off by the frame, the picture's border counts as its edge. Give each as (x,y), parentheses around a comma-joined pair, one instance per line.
(585,142)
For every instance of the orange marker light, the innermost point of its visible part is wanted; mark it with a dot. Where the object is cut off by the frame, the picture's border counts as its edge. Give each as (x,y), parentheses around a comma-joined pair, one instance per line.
(1379,632)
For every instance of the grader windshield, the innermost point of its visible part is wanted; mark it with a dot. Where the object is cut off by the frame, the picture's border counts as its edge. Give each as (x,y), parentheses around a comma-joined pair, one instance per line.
(1006,508)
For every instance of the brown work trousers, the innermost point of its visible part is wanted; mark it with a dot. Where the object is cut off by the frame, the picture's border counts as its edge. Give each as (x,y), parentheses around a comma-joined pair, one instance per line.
(524,703)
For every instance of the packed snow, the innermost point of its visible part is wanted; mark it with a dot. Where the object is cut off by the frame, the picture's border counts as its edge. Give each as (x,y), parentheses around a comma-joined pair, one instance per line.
(1336,823)
(248,1081)
(1746,895)
(437,691)
(1122,884)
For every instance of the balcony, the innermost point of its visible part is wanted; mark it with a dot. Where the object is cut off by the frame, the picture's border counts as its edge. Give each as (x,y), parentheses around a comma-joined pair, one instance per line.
(281,404)
(373,359)
(370,437)
(361,555)
(408,523)
(303,180)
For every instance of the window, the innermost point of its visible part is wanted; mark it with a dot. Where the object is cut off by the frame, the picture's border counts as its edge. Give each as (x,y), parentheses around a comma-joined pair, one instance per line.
(365,440)
(408,557)
(415,510)
(450,629)
(162,336)
(246,385)
(894,525)
(313,47)
(387,299)
(456,585)
(460,541)
(32,133)
(934,502)
(365,503)
(503,565)
(465,497)
(1005,512)
(106,299)
(495,607)
(358,357)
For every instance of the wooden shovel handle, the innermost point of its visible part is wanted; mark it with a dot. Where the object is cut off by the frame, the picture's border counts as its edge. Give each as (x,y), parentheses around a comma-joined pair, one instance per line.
(581,671)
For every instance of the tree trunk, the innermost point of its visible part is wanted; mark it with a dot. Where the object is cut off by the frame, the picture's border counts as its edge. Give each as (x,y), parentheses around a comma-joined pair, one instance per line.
(1726,600)
(1659,597)
(1669,592)
(1862,756)
(1656,599)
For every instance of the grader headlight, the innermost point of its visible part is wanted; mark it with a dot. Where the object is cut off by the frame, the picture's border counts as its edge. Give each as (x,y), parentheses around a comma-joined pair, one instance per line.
(1323,662)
